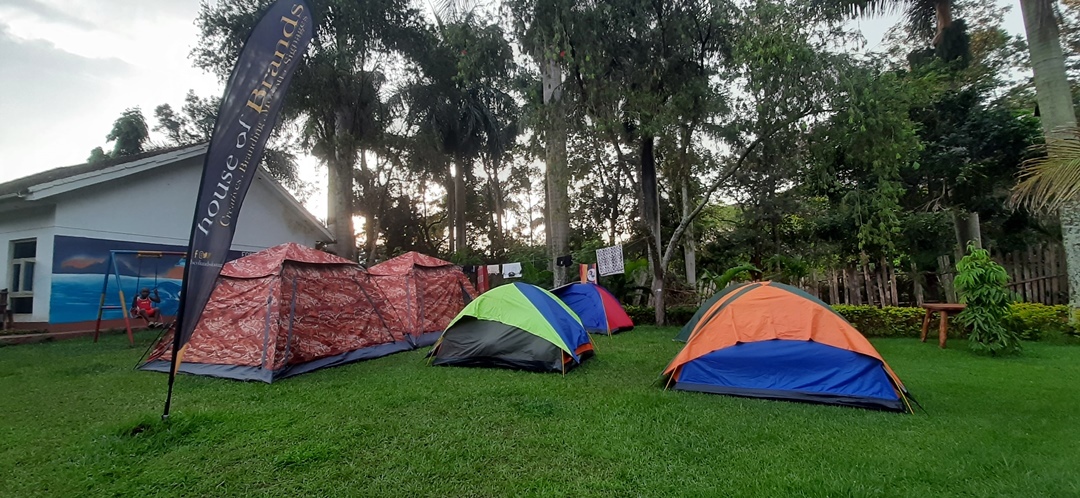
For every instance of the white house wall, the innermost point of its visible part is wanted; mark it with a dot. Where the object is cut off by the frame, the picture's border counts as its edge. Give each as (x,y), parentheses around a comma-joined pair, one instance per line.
(157,207)
(149,210)
(32,223)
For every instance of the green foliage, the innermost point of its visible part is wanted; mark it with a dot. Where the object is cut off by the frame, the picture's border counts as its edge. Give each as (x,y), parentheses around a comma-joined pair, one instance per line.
(129,133)
(888,321)
(1029,321)
(97,155)
(646,315)
(1039,322)
(981,284)
(741,273)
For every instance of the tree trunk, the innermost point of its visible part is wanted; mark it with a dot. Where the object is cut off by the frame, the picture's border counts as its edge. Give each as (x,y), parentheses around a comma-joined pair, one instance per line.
(372,234)
(943,14)
(967,228)
(460,205)
(500,227)
(916,280)
(689,245)
(657,269)
(556,171)
(339,207)
(650,208)
(1056,111)
(451,210)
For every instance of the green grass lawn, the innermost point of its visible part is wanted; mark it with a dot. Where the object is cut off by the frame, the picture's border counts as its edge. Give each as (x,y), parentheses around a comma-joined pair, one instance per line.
(76,419)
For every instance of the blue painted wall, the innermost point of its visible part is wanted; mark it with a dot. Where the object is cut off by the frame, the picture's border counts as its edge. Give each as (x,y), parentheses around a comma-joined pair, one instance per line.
(79,268)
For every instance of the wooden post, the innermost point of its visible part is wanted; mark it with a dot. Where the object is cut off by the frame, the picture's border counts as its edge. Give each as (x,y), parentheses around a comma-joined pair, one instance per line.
(1052,260)
(864,263)
(1025,268)
(1040,282)
(916,281)
(851,287)
(925,325)
(882,281)
(943,328)
(834,292)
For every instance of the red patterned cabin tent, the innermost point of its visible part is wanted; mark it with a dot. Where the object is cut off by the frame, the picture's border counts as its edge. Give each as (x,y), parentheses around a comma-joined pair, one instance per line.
(285,311)
(427,293)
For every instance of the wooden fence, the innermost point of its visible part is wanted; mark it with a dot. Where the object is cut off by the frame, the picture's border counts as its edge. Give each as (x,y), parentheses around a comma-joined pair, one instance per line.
(1036,274)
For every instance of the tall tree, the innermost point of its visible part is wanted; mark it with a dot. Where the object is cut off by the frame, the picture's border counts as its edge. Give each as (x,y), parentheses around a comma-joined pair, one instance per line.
(929,19)
(129,133)
(1057,115)
(542,30)
(193,124)
(461,99)
(332,94)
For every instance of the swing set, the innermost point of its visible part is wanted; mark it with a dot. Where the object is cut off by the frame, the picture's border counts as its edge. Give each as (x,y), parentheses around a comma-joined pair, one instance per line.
(115,270)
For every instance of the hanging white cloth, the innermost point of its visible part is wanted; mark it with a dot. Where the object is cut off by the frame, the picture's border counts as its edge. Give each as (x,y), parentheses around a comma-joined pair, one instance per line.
(493,269)
(511,270)
(609,260)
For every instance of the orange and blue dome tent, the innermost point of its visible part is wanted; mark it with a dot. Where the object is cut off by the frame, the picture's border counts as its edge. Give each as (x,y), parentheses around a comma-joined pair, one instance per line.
(518,326)
(774,341)
(598,309)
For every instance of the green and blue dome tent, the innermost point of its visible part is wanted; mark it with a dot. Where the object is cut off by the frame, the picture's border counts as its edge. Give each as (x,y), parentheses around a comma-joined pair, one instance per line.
(518,326)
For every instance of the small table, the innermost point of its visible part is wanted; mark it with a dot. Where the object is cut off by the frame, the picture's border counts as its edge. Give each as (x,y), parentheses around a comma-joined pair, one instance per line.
(943,327)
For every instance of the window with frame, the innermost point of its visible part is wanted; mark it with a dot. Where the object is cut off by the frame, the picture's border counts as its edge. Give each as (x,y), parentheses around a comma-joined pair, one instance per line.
(23,261)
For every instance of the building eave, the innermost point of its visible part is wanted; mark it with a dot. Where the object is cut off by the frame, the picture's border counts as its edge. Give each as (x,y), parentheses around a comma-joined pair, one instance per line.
(68,184)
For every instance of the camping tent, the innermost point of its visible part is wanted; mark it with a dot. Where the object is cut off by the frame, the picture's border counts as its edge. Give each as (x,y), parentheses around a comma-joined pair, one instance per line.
(596,306)
(286,311)
(427,293)
(770,340)
(515,326)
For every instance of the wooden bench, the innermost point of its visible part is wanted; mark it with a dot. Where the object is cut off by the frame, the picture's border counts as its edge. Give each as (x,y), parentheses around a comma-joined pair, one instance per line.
(943,327)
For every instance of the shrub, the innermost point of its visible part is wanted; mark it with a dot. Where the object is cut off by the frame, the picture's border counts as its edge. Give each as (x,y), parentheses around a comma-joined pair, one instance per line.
(981,284)
(1034,322)
(646,315)
(886,322)
(641,315)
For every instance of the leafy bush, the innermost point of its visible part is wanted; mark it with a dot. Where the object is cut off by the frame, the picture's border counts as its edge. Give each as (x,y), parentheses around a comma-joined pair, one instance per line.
(1034,322)
(981,284)
(888,321)
(641,315)
(646,315)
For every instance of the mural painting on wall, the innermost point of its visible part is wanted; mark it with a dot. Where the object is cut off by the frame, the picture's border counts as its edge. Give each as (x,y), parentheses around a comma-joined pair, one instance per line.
(80,265)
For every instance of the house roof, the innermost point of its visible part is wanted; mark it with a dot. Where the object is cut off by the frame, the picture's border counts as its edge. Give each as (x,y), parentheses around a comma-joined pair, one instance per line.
(31,187)
(65,179)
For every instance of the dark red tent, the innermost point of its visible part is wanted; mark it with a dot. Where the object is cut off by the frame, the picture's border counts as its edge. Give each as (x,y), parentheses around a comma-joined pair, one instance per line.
(286,311)
(427,292)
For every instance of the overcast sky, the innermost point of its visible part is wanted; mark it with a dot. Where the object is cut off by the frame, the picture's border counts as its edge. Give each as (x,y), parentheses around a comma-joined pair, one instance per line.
(68,68)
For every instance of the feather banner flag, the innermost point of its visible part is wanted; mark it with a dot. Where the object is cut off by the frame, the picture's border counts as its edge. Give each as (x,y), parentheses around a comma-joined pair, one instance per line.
(249,111)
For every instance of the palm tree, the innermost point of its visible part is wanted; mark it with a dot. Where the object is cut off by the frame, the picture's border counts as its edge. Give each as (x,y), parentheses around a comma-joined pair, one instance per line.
(458,101)
(1052,182)
(928,18)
